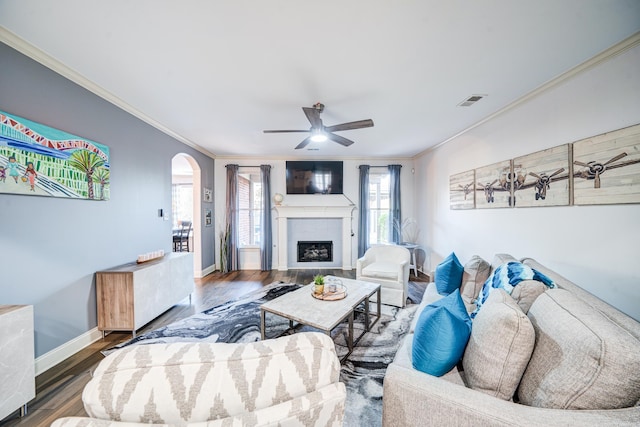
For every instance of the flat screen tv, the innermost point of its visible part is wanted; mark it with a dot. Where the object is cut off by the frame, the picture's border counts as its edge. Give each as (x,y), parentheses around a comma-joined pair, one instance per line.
(314,177)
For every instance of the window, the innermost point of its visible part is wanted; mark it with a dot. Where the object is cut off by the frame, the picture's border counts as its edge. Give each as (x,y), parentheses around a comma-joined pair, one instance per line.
(379,207)
(250,206)
(182,203)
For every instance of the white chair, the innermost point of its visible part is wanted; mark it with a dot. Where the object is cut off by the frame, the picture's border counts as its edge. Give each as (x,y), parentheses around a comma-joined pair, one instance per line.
(387,265)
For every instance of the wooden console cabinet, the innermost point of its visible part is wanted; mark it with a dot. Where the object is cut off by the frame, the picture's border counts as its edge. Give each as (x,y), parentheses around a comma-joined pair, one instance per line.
(131,295)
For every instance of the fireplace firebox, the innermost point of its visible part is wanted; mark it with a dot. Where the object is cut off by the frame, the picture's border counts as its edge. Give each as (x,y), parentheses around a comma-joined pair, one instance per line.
(315,251)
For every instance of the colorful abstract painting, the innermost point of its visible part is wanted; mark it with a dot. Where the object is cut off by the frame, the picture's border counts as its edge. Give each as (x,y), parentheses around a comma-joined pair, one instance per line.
(39,160)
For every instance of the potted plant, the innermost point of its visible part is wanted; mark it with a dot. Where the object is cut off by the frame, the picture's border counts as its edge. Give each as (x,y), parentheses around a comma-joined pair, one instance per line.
(224,249)
(318,284)
(408,230)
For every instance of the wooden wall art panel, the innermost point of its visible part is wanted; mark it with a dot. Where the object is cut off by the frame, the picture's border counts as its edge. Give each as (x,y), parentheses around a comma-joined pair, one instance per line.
(462,190)
(493,185)
(542,178)
(606,168)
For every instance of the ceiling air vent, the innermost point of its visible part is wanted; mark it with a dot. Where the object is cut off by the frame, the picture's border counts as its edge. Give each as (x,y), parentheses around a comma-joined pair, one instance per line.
(471,100)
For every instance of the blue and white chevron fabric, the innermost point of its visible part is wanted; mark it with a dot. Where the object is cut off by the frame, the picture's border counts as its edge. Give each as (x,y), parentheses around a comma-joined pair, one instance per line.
(506,277)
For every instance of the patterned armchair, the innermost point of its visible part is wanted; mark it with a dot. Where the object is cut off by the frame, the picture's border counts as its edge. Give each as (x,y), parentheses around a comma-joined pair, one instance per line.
(288,381)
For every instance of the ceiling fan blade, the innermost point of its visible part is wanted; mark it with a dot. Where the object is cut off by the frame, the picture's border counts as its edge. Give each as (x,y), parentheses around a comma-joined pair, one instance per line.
(339,139)
(313,116)
(304,143)
(351,125)
(284,131)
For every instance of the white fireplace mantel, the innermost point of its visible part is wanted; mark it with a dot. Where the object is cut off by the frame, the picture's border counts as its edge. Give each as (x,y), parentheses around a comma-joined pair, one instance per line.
(285,212)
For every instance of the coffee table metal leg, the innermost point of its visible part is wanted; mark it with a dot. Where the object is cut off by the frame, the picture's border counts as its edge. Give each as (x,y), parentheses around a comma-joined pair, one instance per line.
(262,320)
(366,314)
(350,338)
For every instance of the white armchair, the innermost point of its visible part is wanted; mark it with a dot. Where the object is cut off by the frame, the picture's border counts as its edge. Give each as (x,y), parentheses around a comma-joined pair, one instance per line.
(387,265)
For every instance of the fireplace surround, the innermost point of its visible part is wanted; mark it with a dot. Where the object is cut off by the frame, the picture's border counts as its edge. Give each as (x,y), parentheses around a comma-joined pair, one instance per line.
(342,253)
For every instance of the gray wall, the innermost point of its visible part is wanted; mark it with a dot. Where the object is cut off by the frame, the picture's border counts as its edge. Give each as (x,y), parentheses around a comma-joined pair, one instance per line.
(50,248)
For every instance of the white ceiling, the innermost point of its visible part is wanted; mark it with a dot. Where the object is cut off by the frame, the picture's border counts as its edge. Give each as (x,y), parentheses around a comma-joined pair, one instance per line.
(217,73)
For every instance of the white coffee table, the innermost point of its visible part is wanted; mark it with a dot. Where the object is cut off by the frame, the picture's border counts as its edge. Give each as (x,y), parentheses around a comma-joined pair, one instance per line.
(301,307)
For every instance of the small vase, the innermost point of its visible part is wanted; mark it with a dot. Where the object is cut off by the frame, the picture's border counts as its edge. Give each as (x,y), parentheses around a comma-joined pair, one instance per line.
(318,289)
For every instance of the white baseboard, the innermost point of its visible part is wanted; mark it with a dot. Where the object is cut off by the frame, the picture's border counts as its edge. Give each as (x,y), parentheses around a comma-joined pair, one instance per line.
(66,350)
(206,271)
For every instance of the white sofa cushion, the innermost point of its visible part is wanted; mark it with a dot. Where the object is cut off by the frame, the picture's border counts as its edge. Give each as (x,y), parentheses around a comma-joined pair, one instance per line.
(501,343)
(381,270)
(582,360)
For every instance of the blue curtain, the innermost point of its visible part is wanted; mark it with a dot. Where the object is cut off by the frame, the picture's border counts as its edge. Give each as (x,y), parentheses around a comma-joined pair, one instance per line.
(229,241)
(395,214)
(363,220)
(265,219)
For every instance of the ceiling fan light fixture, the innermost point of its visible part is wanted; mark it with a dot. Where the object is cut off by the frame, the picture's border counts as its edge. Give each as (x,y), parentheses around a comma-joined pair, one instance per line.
(319,133)
(318,136)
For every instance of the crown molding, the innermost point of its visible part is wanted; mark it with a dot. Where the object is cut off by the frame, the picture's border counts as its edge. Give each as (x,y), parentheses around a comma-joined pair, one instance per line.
(606,55)
(332,157)
(12,40)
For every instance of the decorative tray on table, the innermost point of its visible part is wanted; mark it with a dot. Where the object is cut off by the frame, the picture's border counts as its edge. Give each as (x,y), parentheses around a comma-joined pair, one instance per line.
(331,295)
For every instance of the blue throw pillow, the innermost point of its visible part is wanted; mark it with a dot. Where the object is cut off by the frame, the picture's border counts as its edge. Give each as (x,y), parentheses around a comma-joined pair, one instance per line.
(441,335)
(449,275)
(506,277)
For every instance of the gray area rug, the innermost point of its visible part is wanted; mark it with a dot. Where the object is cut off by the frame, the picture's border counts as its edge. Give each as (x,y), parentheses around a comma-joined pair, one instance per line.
(362,372)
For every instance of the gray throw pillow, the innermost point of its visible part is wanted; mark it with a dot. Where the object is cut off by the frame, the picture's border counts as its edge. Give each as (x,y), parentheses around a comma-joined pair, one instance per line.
(476,272)
(526,293)
(501,343)
(499,259)
(582,360)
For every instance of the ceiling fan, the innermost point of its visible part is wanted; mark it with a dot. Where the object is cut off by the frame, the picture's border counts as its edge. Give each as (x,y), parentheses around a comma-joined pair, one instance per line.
(319,132)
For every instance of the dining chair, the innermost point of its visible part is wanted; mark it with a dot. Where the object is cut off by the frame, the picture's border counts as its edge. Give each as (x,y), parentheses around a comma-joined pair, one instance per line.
(181,237)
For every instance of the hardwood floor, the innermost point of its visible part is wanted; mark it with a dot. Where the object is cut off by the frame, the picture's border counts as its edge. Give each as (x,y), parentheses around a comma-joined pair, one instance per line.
(59,389)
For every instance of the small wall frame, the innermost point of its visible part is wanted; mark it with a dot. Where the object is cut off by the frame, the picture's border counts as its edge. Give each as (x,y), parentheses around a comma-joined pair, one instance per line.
(207,195)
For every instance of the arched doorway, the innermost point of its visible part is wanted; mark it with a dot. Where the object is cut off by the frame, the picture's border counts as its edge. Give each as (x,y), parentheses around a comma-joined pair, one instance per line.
(186,202)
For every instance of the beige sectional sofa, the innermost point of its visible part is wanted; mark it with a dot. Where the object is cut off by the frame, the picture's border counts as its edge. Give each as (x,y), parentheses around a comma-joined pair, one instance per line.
(288,381)
(537,357)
